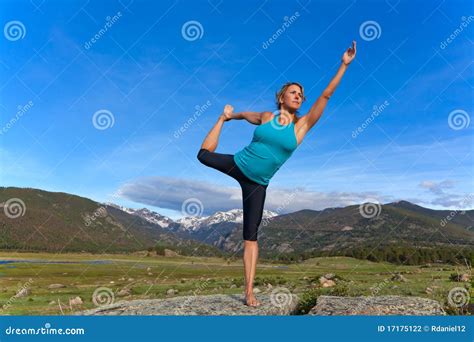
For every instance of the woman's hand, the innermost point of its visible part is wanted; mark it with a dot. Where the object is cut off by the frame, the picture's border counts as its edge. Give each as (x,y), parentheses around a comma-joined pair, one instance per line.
(350,54)
(227,114)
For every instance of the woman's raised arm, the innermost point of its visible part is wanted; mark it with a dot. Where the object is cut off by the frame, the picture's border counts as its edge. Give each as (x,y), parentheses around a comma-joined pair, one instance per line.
(252,117)
(318,107)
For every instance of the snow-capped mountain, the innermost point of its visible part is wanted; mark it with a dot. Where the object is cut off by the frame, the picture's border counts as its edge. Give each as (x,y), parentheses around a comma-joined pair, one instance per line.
(190,223)
(150,216)
(233,215)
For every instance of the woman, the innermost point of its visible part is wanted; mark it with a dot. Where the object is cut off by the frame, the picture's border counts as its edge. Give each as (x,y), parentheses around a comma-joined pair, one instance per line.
(276,137)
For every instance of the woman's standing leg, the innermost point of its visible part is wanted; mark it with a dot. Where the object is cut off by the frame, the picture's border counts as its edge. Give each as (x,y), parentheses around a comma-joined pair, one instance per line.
(253,203)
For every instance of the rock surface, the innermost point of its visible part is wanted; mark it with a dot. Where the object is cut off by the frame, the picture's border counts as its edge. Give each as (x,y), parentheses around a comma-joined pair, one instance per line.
(213,305)
(220,304)
(382,305)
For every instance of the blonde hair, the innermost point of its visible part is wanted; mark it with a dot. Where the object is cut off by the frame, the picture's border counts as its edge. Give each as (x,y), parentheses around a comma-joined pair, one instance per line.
(282,91)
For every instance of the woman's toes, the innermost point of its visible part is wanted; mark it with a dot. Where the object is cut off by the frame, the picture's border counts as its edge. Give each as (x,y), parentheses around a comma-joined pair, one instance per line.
(252,301)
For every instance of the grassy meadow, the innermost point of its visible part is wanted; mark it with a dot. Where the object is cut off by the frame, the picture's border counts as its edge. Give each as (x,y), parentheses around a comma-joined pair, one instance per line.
(148,276)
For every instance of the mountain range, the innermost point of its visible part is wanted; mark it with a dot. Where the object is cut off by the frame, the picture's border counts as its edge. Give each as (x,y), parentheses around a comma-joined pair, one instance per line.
(61,222)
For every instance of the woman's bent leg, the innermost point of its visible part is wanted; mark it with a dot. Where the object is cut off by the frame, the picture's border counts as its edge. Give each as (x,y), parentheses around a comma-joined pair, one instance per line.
(222,162)
(212,138)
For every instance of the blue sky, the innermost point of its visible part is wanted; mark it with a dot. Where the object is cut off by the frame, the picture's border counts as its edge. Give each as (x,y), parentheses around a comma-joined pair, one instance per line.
(152,77)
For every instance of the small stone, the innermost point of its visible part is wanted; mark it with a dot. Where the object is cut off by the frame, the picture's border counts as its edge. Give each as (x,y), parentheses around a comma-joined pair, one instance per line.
(56,286)
(124,292)
(465,277)
(329,283)
(329,276)
(130,279)
(23,293)
(399,277)
(233,286)
(75,301)
(112,282)
(148,269)
(171,292)
(256,290)
(150,274)
(52,302)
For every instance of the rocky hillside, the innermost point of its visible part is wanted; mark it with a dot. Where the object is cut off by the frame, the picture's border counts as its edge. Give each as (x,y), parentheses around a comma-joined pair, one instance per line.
(37,220)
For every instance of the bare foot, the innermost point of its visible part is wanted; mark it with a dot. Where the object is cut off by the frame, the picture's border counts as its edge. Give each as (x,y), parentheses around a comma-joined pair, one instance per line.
(251,300)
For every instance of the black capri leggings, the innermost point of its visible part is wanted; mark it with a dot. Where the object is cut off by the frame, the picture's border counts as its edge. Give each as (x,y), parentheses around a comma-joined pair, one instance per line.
(253,194)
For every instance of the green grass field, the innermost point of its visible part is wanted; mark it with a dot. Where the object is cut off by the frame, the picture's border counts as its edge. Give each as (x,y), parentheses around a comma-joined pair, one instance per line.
(152,276)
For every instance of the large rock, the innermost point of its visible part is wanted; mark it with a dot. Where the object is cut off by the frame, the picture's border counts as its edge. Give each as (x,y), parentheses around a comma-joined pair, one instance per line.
(170,253)
(381,305)
(214,305)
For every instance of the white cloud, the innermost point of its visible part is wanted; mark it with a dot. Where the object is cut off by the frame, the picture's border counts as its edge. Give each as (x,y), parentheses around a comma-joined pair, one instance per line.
(171,193)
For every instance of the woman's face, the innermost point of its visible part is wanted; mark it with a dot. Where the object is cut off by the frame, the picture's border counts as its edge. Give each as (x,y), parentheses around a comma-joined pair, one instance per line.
(293,98)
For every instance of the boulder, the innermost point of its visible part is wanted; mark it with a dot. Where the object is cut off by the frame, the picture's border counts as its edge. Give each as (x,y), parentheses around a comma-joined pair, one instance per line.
(377,306)
(210,305)
(170,253)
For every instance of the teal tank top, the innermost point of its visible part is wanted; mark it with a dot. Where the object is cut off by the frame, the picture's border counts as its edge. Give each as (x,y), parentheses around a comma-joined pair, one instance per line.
(271,146)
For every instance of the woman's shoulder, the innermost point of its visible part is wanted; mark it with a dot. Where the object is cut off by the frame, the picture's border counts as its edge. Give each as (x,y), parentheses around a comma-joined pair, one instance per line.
(266,116)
